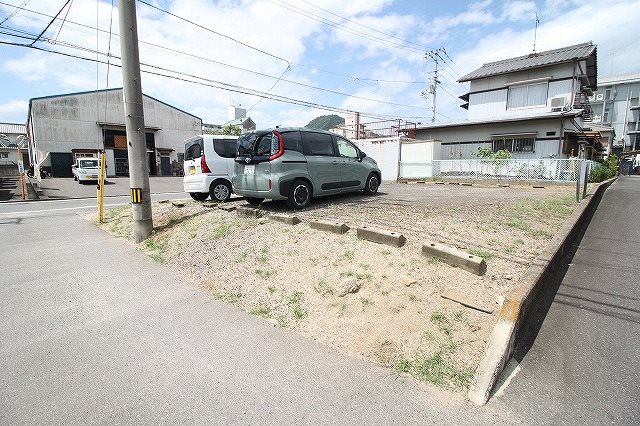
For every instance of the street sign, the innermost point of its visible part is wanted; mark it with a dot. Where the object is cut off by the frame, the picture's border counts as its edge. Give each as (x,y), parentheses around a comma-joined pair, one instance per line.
(20,166)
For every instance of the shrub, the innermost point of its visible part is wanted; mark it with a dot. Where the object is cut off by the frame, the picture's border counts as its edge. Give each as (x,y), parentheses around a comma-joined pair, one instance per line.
(605,170)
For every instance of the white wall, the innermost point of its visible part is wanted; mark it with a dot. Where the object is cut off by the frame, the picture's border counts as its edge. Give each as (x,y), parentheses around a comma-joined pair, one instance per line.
(385,151)
(492,104)
(416,159)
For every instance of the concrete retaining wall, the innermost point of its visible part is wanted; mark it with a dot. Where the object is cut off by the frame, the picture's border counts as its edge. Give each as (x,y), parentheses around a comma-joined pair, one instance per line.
(523,298)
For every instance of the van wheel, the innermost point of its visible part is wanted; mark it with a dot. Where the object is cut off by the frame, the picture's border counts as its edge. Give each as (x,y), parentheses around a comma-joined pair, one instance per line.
(372,184)
(253,201)
(299,195)
(199,196)
(220,191)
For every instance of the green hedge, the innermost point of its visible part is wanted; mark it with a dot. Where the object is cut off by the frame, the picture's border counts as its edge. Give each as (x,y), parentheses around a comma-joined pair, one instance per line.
(605,170)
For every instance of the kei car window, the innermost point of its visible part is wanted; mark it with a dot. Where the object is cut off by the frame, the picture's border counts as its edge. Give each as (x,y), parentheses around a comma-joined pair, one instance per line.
(318,144)
(346,148)
(292,141)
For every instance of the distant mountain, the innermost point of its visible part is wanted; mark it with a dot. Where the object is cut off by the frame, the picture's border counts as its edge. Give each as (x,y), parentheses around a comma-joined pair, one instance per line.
(326,122)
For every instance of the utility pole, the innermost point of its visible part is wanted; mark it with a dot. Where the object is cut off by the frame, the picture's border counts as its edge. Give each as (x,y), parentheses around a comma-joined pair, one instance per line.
(134,121)
(433,87)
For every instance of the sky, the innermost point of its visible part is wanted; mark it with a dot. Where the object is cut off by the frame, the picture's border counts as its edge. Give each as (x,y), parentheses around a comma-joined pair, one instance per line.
(334,56)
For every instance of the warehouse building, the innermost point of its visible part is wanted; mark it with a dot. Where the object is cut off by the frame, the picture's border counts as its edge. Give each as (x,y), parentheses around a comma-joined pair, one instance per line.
(63,127)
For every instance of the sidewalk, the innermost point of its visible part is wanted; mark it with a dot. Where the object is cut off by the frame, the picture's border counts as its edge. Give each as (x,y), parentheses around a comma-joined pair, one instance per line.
(92,331)
(584,366)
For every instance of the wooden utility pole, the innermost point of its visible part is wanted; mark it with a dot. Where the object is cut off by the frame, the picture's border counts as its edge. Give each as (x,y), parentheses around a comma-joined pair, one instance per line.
(134,121)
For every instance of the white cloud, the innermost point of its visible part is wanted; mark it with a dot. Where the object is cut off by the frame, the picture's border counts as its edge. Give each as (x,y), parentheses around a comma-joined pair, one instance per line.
(519,10)
(14,111)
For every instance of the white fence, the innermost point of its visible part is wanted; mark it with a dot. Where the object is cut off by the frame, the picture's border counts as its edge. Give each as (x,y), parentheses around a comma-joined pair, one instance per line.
(560,170)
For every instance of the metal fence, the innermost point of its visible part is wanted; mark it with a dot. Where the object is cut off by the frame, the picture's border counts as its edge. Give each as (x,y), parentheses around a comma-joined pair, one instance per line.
(559,170)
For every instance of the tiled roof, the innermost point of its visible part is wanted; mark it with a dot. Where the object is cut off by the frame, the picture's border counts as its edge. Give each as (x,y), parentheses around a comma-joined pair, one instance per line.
(12,128)
(569,114)
(533,60)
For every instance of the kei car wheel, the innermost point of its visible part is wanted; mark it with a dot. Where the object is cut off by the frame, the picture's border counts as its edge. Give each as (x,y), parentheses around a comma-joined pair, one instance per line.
(372,184)
(199,196)
(299,195)
(220,191)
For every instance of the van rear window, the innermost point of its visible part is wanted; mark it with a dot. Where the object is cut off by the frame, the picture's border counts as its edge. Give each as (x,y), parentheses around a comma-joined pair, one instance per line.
(193,149)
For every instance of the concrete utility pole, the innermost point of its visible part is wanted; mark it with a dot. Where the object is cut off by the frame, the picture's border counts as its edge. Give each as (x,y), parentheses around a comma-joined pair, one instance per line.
(433,88)
(134,121)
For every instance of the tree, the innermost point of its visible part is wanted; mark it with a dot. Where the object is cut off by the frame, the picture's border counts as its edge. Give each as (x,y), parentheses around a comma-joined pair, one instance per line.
(486,155)
(231,129)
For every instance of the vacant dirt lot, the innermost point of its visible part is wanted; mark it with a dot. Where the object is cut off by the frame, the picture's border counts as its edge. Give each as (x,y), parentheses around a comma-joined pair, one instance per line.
(293,276)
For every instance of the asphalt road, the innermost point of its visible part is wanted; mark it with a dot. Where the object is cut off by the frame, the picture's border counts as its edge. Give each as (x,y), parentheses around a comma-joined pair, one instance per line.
(92,331)
(584,366)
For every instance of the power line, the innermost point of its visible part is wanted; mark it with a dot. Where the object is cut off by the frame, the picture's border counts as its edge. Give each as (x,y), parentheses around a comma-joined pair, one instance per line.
(211,83)
(65,18)
(12,14)
(277,80)
(325,21)
(365,26)
(51,22)
(294,64)
(213,31)
(270,89)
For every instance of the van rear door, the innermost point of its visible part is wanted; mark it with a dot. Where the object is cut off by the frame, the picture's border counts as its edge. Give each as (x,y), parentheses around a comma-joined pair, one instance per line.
(252,166)
(193,150)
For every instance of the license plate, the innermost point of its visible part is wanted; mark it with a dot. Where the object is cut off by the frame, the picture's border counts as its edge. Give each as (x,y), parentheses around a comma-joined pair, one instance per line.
(192,170)
(92,177)
(249,170)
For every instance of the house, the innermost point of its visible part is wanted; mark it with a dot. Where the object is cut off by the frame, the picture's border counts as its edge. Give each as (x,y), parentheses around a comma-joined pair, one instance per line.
(12,137)
(63,127)
(534,106)
(616,104)
(238,117)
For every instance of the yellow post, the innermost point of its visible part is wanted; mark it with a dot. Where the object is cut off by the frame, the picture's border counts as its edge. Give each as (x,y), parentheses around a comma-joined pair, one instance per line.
(101,187)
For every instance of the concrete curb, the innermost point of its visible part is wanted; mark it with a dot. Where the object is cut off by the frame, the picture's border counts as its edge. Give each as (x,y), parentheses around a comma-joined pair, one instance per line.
(505,334)
(249,211)
(382,236)
(454,257)
(284,218)
(329,226)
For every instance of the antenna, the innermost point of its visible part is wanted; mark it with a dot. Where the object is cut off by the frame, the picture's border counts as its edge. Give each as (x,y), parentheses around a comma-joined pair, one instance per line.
(535,33)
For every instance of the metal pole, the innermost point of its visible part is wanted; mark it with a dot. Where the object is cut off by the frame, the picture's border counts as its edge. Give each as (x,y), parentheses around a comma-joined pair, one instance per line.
(134,121)
(103,158)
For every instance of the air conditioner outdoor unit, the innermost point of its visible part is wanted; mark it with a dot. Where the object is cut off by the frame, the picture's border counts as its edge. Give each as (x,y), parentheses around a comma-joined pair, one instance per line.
(558,103)
(599,96)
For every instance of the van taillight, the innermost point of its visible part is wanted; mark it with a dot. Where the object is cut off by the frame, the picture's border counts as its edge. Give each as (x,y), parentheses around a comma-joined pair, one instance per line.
(277,145)
(203,164)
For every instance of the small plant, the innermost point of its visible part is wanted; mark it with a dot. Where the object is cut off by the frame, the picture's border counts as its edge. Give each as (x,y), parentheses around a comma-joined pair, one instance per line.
(156,247)
(365,301)
(443,323)
(261,311)
(172,220)
(432,260)
(265,273)
(220,231)
(413,297)
(323,289)
(403,365)
(363,276)
(271,289)
(282,321)
(299,312)
(348,255)
(386,252)
(485,254)
(296,297)
(232,296)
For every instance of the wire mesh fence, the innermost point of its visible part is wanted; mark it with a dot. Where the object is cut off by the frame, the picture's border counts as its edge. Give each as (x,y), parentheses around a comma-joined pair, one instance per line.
(558,170)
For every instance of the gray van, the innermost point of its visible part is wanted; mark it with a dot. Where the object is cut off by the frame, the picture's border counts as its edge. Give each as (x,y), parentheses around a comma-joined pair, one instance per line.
(297,164)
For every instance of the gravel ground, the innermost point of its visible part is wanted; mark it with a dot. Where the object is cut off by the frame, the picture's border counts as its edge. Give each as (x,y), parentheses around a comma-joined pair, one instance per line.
(293,275)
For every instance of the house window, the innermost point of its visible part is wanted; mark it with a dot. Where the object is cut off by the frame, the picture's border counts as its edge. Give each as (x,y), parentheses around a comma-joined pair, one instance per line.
(4,155)
(605,115)
(528,95)
(514,144)
(607,95)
